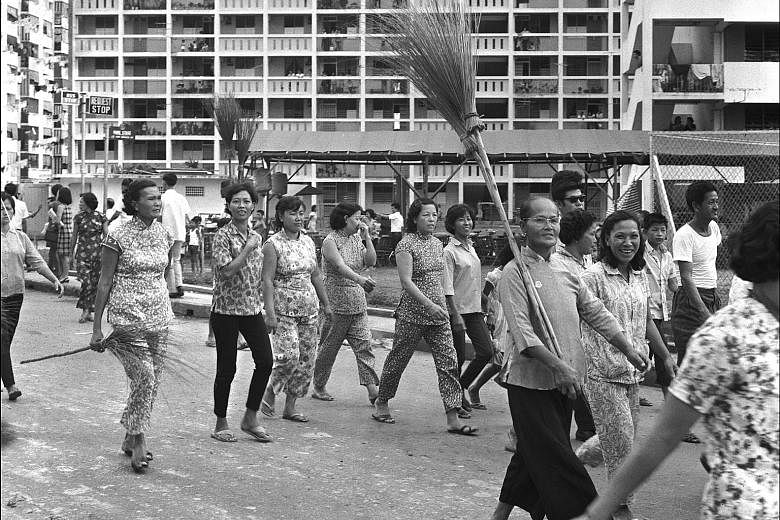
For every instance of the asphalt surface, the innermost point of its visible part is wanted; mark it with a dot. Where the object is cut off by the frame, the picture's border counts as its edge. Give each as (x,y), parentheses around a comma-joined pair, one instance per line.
(61,457)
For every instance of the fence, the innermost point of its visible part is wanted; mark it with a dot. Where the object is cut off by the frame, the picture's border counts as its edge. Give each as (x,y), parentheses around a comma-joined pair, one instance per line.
(743,166)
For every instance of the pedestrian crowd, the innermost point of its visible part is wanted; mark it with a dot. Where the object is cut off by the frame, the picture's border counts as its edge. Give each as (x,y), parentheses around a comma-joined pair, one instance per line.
(608,290)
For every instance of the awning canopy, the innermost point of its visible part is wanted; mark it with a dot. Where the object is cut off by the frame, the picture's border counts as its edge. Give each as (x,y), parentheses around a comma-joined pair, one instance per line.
(506,146)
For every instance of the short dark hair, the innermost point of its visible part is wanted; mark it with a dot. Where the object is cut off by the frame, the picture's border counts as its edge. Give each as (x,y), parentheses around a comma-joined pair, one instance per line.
(454,213)
(65,196)
(638,262)
(395,205)
(90,200)
(55,189)
(231,190)
(696,192)
(127,181)
(6,196)
(197,219)
(313,207)
(170,179)
(109,203)
(653,219)
(11,189)
(134,193)
(574,225)
(755,255)
(339,215)
(415,208)
(287,203)
(371,213)
(563,181)
(524,211)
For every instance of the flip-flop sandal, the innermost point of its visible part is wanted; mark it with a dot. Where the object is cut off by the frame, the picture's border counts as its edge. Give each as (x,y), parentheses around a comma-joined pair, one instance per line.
(129,453)
(478,406)
(296,417)
(383,418)
(464,430)
(258,434)
(324,396)
(463,414)
(224,436)
(267,410)
(82,320)
(13,396)
(139,468)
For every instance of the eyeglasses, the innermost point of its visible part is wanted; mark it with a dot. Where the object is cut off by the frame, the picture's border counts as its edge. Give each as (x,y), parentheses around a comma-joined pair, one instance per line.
(540,221)
(575,199)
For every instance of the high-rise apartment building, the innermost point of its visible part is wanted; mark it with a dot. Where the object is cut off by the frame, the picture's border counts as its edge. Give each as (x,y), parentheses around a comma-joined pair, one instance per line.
(712,64)
(320,65)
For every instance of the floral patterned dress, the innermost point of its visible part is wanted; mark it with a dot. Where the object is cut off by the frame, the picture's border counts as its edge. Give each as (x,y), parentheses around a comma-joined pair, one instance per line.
(731,376)
(89,228)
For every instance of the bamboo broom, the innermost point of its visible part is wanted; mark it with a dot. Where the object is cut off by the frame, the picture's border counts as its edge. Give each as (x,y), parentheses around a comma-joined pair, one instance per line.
(431,44)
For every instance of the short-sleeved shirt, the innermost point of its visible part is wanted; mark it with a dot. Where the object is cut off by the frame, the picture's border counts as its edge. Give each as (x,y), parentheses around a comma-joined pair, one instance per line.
(296,260)
(463,276)
(17,251)
(701,252)
(427,271)
(240,294)
(566,300)
(175,209)
(627,301)
(139,293)
(730,376)
(562,259)
(396,222)
(345,295)
(20,213)
(660,268)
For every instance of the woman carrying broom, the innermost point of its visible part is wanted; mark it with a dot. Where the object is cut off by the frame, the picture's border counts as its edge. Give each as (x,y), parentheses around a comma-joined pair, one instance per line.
(132,288)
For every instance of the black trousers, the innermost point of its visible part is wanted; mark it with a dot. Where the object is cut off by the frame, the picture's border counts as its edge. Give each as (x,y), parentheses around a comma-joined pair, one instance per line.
(9,318)
(226,329)
(582,414)
(483,347)
(686,317)
(545,477)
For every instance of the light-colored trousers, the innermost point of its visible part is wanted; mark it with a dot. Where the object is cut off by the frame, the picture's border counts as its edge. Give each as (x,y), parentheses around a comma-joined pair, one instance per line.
(174,279)
(354,328)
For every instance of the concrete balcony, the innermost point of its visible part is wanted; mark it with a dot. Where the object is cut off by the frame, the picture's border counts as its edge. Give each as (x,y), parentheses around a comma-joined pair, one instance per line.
(479,6)
(339,86)
(93,130)
(387,126)
(289,44)
(147,129)
(289,125)
(144,87)
(240,44)
(386,4)
(751,82)
(192,87)
(191,45)
(192,150)
(97,86)
(289,5)
(691,81)
(345,44)
(290,86)
(490,86)
(192,5)
(536,4)
(534,87)
(338,126)
(144,5)
(192,129)
(432,126)
(490,44)
(387,86)
(585,86)
(239,87)
(535,44)
(255,5)
(90,6)
(587,44)
(155,45)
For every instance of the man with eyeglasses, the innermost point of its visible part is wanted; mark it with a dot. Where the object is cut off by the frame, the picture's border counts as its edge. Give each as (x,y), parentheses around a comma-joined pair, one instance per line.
(695,249)
(566,189)
(545,477)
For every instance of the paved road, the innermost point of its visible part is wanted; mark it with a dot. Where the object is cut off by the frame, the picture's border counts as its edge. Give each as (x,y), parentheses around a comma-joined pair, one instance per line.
(61,458)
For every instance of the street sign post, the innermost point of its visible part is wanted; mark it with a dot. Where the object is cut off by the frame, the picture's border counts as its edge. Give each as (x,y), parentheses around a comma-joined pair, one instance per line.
(118,132)
(69,97)
(101,105)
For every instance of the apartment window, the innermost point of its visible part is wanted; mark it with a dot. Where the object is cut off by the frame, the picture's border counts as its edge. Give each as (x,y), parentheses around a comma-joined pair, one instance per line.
(762,43)
(13,14)
(383,193)
(194,191)
(294,21)
(100,145)
(155,150)
(244,63)
(105,66)
(762,117)
(245,22)
(103,24)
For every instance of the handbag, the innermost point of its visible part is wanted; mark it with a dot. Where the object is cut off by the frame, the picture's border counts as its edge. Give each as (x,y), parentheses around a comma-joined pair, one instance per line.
(51,234)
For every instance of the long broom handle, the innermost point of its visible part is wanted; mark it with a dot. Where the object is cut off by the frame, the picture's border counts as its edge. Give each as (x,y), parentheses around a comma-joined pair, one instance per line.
(533,296)
(61,354)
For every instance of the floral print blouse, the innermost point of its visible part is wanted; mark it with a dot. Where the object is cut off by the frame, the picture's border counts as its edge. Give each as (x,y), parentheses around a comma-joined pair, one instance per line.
(89,226)
(427,273)
(296,260)
(238,295)
(345,296)
(730,376)
(627,301)
(139,293)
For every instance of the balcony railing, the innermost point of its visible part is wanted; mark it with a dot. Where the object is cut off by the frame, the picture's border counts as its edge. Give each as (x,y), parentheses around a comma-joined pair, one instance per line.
(487,86)
(536,4)
(386,4)
(143,86)
(143,128)
(490,43)
(241,4)
(240,44)
(192,87)
(91,5)
(697,77)
(585,86)
(144,5)
(289,126)
(337,126)
(535,43)
(97,86)
(97,45)
(248,86)
(192,5)
(289,86)
(585,43)
(338,86)
(288,4)
(387,86)
(330,44)
(486,5)
(145,45)
(536,86)
(338,4)
(192,128)
(192,45)
(287,43)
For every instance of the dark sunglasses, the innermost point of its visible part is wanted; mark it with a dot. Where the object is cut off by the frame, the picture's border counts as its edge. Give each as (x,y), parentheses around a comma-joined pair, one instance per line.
(574,200)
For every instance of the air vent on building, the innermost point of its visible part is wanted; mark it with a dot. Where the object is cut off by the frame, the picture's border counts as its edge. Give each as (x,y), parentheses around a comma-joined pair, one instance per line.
(194,191)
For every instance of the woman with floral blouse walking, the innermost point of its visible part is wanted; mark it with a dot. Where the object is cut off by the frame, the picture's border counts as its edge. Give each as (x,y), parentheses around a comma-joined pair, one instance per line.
(292,284)
(89,228)
(421,314)
(132,289)
(620,282)
(237,307)
(343,259)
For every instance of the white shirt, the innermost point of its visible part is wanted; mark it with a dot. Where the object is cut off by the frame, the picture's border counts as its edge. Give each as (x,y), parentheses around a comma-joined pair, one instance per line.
(312,225)
(660,268)
(396,222)
(701,252)
(175,210)
(20,213)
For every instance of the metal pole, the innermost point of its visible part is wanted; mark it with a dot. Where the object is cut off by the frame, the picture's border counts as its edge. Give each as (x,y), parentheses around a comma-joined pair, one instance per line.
(83,107)
(105,165)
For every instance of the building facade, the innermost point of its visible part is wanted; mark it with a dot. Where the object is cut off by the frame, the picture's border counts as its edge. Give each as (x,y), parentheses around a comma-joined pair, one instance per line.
(700,65)
(319,65)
